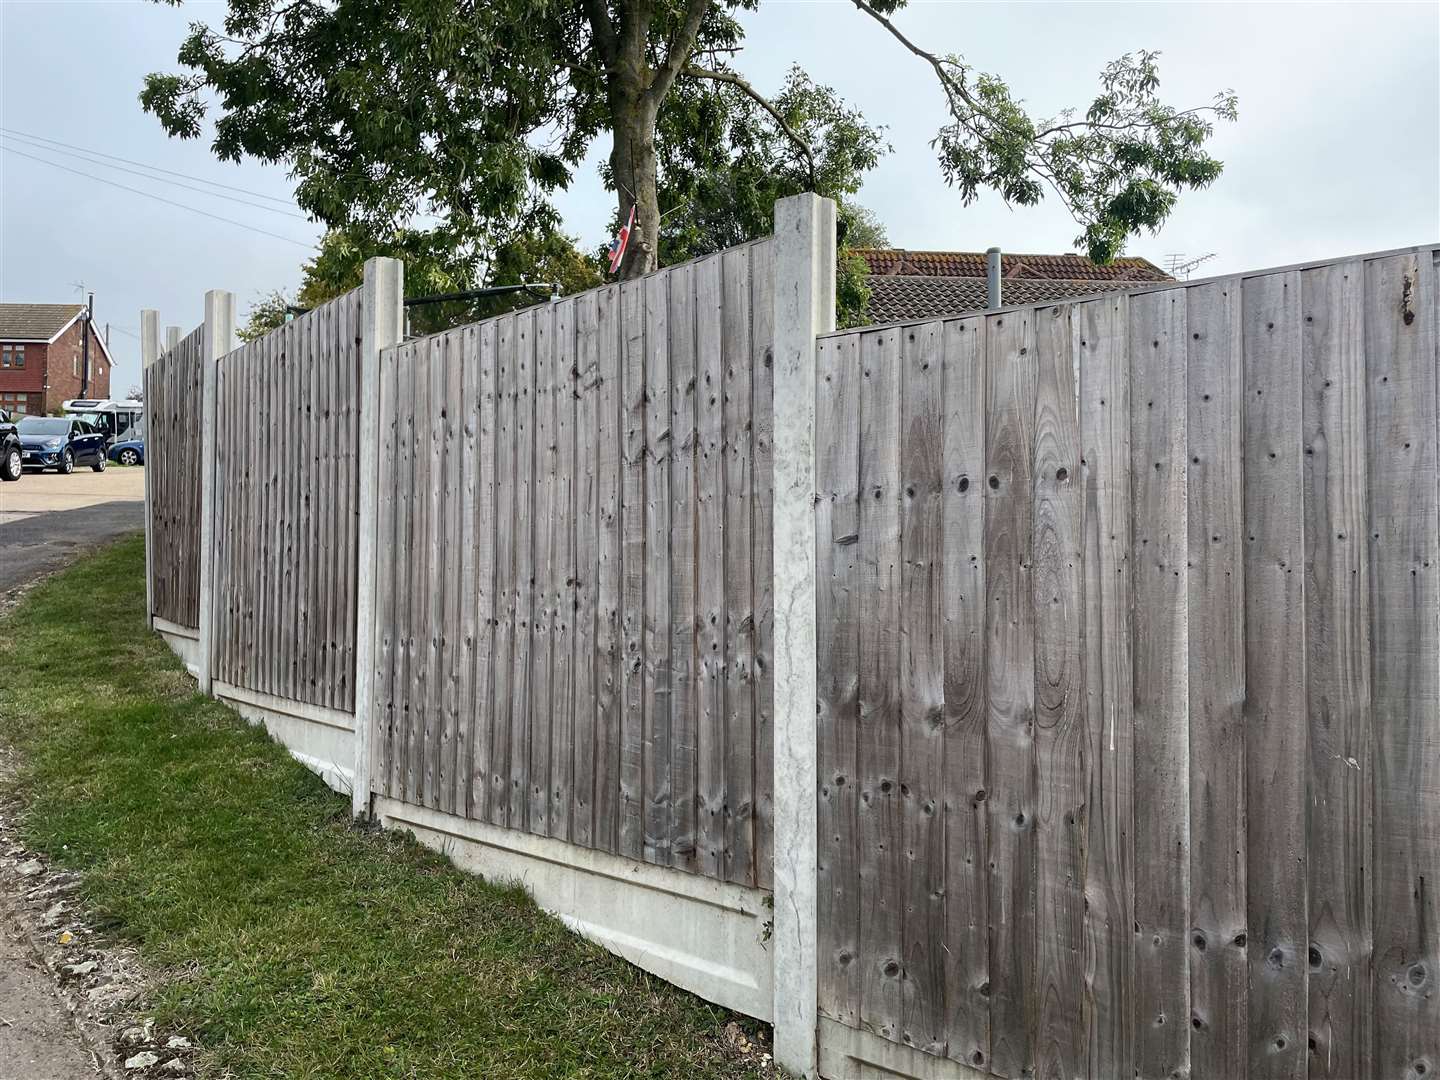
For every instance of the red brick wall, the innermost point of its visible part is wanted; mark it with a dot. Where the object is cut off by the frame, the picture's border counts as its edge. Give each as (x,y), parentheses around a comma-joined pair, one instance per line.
(28,380)
(59,363)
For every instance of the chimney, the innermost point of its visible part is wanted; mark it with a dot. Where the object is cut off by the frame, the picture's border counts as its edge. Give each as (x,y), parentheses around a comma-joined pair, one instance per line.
(992,278)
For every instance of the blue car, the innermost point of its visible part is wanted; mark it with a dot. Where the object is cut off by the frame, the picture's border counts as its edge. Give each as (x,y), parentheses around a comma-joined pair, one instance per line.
(128,452)
(60,443)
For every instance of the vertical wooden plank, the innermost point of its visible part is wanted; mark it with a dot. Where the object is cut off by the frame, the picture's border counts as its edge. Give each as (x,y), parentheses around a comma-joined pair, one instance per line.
(587,566)
(1058,595)
(524,585)
(350,614)
(632,570)
(710,585)
(436,558)
(736,392)
(881,865)
(310,445)
(481,350)
(541,715)
(506,519)
(317,326)
(762,356)
(965,934)
(1337,670)
(1215,591)
(564,601)
(454,649)
(684,568)
(1400,357)
(922,687)
(404,567)
(387,526)
(422,587)
(1275,735)
(658,570)
(1010,682)
(1160,540)
(608,702)
(1103,326)
(837,535)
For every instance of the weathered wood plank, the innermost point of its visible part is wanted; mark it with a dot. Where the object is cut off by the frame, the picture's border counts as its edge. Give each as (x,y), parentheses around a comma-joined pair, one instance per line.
(542,623)
(564,601)
(684,568)
(608,642)
(736,391)
(1057,583)
(454,650)
(710,588)
(965,937)
(1010,682)
(587,450)
(1275,725)
(423,586)
(1219,979)
(405,540)
(837,534)
(658,569)
(484,353)
(1337,672)
(386,616)
(1400,357)
(1158,340)
(922,688)
(632,571)
(436,558)
(881,865)
(506,514)
(762,352)
(521,721)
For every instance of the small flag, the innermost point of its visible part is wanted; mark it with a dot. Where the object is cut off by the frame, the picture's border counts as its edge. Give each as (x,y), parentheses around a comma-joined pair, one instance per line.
(618,245)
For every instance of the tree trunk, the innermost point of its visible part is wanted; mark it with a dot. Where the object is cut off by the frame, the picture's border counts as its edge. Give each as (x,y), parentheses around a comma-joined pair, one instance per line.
(633,166)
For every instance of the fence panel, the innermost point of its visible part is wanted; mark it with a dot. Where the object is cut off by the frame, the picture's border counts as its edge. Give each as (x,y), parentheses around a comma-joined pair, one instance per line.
(287,485)
(173,398)
(1129,627)
(569,569)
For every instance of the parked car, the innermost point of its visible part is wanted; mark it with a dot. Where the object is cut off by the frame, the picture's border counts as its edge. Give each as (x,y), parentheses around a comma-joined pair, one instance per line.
(11,455)
(60,443)
(128,452)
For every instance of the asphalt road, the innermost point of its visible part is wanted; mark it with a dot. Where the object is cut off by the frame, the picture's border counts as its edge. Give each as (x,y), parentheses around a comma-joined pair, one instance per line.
(46,520)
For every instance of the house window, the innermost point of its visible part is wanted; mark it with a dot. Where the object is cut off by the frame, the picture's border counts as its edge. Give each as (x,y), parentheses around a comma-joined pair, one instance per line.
(19,356)
(75,366)
(4,355)
(15,404)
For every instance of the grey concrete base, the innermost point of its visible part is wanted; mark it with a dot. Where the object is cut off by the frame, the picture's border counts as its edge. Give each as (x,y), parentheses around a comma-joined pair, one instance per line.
(323,740)
(184,643)
(847,1053)
(708,937)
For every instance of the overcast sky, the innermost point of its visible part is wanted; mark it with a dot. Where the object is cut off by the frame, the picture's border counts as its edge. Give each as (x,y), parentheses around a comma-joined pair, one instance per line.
(1337,150)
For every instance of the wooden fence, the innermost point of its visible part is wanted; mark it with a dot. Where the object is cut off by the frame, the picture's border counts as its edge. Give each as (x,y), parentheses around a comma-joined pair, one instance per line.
(286,500)
(572,607)
(1130,681)
(173,387)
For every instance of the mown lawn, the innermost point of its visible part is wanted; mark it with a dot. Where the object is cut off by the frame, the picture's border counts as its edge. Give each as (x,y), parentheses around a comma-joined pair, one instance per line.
(290,943)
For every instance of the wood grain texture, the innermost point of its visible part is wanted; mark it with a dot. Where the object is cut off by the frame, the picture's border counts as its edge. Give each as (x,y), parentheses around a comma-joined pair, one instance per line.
(1400,358)
(542,712)
(1010,683)
(564,602)
(632,698)
(658,717)
(506,623)
(586,751)
(1161,684)
(1057,584)
(484,538)
(762,564)
(1275,724)
(1337,671)
(1219,977)
(608,641)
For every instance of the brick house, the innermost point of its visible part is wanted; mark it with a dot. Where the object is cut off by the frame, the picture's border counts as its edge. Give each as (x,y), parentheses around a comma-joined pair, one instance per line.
(42,354)
(939,284)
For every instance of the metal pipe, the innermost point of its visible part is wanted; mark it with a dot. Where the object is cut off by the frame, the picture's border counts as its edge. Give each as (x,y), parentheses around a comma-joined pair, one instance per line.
(992,278)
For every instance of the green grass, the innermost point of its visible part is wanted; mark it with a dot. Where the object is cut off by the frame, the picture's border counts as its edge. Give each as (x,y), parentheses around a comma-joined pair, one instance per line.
(290,943)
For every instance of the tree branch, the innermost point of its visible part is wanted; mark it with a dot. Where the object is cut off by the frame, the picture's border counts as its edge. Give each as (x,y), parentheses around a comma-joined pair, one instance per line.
(679,51)
(693,72)
(601,27)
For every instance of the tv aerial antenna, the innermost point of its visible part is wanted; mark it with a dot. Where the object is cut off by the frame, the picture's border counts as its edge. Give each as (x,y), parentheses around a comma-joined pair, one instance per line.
(1180,267)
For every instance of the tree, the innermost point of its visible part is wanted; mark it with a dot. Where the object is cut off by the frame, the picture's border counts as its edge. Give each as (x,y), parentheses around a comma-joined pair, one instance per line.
(478,114)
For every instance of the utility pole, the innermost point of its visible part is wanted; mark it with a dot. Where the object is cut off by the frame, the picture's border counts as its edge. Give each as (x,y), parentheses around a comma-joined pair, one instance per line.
(85,347)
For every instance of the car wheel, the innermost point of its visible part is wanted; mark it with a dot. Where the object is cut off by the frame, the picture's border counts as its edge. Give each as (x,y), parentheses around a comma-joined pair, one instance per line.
(12,467)
(129,457)
(100,463)
(67,462)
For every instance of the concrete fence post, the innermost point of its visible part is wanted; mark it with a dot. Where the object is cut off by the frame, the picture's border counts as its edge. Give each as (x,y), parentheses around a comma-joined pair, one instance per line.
(218,338)
(149,353)
(804,300)
(172,337)
(382,315)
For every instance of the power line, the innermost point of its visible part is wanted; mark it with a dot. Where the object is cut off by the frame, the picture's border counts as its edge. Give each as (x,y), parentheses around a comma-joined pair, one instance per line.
(143,165)
(159,198)
(162,180)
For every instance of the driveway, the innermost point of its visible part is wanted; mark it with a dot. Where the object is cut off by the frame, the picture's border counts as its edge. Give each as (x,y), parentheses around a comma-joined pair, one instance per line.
(47,519)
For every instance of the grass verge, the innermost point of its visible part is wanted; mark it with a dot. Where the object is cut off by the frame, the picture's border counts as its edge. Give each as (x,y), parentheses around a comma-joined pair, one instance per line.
(291,944)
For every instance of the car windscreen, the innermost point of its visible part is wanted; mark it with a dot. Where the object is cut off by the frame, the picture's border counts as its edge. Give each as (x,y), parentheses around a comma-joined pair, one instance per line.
(43,425)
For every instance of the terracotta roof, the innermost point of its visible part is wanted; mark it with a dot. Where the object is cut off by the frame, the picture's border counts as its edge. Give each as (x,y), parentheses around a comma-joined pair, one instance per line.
(35,322)
(909,297)
(895,262)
